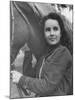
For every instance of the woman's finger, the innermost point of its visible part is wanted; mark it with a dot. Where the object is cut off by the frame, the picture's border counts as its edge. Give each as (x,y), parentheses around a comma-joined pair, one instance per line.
(12,72)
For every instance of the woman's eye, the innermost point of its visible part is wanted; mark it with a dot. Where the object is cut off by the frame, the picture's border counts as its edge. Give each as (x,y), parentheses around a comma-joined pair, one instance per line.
(55,28)
(48,29)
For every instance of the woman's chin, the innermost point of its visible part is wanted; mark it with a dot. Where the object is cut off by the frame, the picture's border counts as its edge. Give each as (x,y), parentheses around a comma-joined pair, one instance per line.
(52,43)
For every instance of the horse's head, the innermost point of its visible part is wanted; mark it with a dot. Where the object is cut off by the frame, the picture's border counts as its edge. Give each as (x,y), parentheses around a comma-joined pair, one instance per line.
(26,28)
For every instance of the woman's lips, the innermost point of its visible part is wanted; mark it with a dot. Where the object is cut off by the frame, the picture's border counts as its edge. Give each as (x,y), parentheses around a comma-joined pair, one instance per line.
(52,39)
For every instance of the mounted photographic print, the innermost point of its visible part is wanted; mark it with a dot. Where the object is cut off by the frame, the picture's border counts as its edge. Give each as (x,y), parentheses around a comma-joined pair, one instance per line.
(41,49)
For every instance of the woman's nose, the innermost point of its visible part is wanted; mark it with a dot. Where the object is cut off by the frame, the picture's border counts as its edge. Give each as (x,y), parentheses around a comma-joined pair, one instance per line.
(52,33)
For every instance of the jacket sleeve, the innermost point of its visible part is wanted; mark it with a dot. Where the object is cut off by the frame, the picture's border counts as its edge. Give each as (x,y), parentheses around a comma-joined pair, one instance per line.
(53,69)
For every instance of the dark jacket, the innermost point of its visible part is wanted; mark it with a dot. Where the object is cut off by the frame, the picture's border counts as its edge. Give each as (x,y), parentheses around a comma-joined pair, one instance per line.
(54,75)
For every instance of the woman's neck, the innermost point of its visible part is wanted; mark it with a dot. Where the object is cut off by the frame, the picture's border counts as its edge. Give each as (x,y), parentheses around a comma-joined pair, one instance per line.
(51,48)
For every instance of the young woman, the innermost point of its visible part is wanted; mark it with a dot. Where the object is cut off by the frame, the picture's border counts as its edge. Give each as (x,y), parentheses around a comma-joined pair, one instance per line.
(54,69)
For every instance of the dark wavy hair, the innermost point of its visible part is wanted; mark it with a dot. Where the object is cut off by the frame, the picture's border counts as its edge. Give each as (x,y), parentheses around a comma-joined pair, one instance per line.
(64,36)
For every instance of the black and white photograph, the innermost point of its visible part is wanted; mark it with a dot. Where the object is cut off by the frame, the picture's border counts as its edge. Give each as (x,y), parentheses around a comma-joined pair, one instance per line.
(41,49)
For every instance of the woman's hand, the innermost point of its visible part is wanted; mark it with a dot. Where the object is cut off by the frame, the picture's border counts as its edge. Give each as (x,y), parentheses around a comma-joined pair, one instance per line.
(15,76)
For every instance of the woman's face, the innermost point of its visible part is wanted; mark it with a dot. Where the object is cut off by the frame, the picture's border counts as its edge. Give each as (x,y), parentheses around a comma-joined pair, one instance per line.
(52,31)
